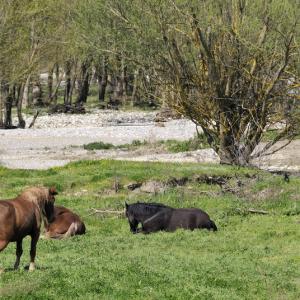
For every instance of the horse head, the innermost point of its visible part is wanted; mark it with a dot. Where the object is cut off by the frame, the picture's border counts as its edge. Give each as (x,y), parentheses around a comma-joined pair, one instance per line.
(133,222)
(49,204)
(44,198)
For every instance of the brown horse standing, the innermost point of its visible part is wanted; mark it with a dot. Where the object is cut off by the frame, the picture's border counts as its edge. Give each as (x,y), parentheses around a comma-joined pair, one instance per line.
(64,224)
(22,216)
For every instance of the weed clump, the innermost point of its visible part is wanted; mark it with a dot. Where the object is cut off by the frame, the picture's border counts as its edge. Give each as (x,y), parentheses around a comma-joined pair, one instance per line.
(98,146)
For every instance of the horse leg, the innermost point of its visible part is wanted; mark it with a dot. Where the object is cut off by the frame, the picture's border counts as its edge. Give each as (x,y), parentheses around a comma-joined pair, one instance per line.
(19,252)
(72,230)
(34,240)
(153,224)
(3,245)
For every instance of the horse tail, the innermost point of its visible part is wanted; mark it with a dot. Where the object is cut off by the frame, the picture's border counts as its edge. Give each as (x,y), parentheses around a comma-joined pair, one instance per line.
(212,225)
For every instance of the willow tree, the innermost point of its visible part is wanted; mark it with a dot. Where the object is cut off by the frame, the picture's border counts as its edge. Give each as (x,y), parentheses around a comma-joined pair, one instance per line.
(31,38)
(230,66)
(103,31)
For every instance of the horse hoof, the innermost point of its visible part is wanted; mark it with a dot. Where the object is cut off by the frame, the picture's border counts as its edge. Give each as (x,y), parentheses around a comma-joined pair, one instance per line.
(31,267)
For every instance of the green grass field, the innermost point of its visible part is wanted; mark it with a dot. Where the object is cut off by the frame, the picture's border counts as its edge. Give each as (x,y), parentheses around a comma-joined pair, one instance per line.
(252,256)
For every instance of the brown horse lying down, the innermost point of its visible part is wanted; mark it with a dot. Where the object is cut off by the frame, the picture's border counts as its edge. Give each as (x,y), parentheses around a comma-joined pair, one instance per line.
(22,216)
(65,224)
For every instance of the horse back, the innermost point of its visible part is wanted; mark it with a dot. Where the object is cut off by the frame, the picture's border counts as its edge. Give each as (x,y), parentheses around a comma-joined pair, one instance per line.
(196,211)
(63,219)
(189,218)
(59,210)
(66,214)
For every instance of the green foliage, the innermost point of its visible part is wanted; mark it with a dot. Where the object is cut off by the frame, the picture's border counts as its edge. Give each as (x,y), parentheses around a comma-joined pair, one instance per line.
(173,146)
(31,36)
(270,135)
(250,257)
(105,146)
(221,63)
(98,146)
(193,144)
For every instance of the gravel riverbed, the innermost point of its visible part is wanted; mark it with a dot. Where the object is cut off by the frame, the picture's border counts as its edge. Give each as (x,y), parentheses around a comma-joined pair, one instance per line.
(58,139)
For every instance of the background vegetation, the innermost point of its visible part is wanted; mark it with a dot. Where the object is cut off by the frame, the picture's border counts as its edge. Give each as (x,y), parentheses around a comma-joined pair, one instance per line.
(232,67)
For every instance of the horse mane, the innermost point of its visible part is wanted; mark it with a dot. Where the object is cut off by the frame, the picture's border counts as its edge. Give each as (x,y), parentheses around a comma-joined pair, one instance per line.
(141,207)
(152,204)
(37,195)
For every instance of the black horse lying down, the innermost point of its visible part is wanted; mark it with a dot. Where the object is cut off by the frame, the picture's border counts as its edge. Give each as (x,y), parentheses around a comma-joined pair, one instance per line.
(155,217)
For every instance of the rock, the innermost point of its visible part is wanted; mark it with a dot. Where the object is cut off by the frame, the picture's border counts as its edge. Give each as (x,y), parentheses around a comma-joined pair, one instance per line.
(153,187)
(133,185)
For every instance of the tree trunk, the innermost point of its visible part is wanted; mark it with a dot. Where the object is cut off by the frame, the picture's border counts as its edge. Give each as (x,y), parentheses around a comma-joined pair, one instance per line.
(8,96)
(25,100)
(67,96)
(102,79)
(227,151)
(58,79)
(110,85)
(123,81)
(83,83)
(50,84)
(135,88)
(84,90)
(1,105)
(37,93)
(119,83)
(14,95)
(73,82)
(22,122)
(117,90)
(58,82)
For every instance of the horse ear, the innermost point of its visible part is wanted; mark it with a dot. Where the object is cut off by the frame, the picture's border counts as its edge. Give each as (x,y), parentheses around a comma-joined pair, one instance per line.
(52,191)
(126,205)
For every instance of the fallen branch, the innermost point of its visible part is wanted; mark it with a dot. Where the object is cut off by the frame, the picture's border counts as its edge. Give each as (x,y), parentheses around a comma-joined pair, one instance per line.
(106,211)
(34,118)
(253,211)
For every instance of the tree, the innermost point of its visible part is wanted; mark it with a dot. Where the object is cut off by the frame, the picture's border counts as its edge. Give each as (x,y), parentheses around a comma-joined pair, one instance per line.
(231,66)
(31,38)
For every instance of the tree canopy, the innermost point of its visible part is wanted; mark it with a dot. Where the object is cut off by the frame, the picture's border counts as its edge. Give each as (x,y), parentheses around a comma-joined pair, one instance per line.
(232,66)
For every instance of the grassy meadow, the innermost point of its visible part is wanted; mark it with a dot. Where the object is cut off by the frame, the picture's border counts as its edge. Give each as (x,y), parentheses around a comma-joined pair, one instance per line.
(251,256)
